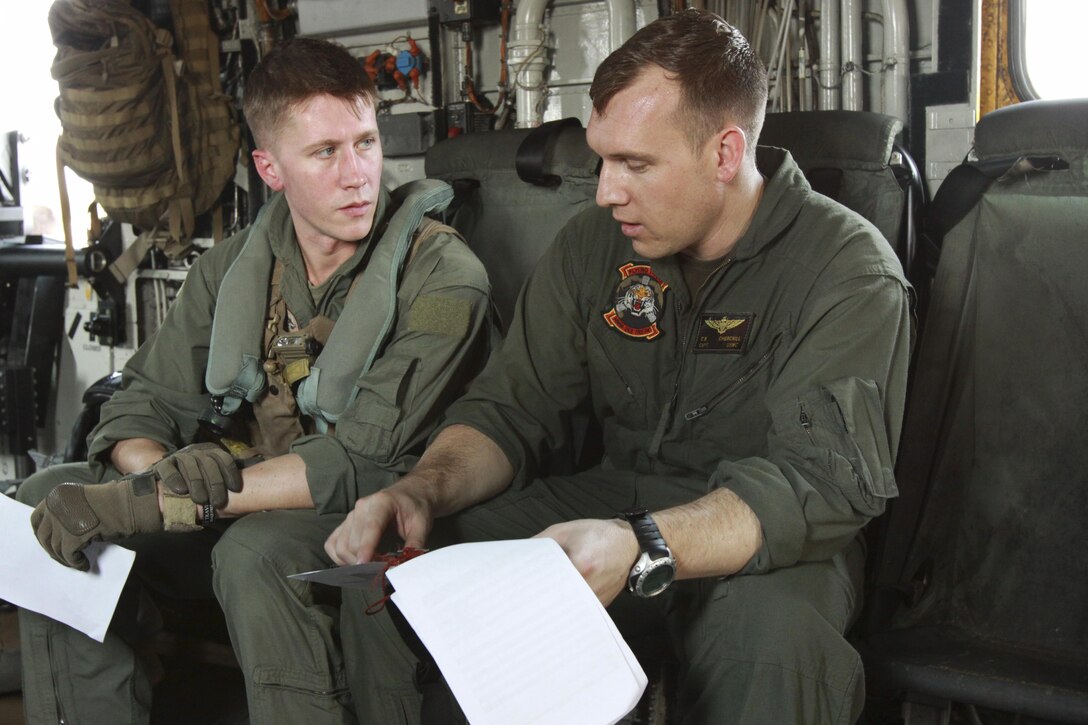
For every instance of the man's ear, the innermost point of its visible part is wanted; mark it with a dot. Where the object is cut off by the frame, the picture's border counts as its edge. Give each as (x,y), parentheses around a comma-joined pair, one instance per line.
(268,169)
(732,146)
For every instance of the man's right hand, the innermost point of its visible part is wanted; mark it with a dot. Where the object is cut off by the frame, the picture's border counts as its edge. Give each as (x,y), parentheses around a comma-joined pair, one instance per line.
(203,471)
(460,468)
(73,515)
(356,539)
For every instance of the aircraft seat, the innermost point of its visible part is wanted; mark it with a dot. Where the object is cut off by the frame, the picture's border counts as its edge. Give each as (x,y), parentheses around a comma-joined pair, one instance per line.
(514,191)
(852,157)
(982,585)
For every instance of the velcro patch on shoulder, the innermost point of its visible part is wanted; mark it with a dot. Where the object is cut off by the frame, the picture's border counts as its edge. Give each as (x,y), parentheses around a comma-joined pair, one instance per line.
(440,315)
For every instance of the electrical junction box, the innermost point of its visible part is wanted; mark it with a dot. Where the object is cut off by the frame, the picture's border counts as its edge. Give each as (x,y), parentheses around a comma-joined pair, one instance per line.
(407,134)
(477,12)
(466,118)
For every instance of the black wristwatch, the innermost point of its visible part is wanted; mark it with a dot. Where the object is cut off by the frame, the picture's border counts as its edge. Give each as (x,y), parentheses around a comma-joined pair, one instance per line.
(655,568)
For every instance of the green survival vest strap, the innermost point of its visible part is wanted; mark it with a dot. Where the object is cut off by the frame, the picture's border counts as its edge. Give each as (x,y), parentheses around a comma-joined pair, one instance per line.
(234,359)
(234,353)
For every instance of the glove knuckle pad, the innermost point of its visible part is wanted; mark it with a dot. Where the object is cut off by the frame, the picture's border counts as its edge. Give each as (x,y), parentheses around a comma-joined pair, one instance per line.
(68,504)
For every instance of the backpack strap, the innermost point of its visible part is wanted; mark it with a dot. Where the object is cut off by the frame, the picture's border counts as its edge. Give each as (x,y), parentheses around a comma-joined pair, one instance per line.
(66,221)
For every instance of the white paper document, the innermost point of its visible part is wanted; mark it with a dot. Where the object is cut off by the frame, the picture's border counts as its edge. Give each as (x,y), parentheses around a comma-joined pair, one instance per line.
(29,578)
(518,634)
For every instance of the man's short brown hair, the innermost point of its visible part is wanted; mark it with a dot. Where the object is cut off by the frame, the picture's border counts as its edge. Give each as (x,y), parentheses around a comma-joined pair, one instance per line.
(293,73)
(720,76)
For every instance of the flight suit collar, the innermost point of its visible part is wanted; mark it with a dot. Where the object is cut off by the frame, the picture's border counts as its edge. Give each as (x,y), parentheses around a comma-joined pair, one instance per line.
(784,194)
(276,223)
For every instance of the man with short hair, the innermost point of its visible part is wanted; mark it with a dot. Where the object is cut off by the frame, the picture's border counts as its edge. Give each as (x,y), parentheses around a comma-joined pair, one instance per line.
(743,343)
(331,334)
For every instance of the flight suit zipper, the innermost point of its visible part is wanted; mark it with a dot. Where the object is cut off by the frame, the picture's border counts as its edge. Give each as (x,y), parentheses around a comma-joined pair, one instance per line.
(729,389)
(806,424)
(61,718)
(687,331)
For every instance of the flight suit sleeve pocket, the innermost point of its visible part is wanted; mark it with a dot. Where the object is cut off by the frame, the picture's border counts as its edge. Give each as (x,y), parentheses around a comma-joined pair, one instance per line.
(367,428)
(841,424)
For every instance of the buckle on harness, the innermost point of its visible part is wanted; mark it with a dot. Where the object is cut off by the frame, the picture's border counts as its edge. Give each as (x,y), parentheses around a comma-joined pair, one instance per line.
(293,354)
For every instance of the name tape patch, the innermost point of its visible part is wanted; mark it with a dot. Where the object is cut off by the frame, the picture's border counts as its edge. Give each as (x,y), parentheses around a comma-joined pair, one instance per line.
(725,332)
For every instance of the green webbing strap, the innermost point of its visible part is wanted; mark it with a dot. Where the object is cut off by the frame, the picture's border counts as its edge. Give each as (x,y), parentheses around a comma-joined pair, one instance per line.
(370,309)
(130,259)
(966,184)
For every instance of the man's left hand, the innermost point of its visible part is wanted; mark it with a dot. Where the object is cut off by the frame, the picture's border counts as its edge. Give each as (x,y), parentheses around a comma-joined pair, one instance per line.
(602,550)
(202,471)
(73,515)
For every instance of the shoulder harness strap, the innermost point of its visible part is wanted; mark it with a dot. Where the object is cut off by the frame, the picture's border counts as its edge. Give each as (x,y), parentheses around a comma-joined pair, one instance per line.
(370,310)
(234,355)
(234,359)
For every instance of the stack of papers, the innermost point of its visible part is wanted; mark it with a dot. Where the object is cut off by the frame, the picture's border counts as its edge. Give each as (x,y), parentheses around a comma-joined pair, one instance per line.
(518,634)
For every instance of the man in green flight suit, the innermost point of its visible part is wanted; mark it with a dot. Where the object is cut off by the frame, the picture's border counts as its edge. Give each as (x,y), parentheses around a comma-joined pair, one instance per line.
(743,342)
(334,264)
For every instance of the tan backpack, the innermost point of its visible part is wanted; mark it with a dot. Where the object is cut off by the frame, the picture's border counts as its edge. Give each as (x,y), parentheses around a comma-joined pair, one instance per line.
(148,127)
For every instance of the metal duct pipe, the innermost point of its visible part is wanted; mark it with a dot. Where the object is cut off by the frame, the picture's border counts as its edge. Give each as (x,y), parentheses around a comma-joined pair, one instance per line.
(896,72)
(528,52)
(528,57)
(778,68)
(804,85)
(621,22)
(852,61)
(828,73)
(740,14)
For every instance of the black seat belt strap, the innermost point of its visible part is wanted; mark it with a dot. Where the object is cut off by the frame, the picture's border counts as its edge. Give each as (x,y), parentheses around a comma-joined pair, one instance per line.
(534,149)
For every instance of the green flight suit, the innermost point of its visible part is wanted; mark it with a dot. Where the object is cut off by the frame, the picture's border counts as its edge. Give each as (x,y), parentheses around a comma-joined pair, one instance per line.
(782,378)
(286,638)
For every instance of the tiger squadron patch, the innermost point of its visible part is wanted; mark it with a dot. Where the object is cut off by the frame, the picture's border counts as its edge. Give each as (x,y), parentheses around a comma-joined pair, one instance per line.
(640,299)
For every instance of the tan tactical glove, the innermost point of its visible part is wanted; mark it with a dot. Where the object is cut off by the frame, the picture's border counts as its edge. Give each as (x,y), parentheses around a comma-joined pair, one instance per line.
(202,471)
(74,515)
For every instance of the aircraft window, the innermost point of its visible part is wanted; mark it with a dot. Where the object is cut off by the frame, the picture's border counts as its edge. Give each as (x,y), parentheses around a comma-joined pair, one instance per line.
(26,54)
(1044,36)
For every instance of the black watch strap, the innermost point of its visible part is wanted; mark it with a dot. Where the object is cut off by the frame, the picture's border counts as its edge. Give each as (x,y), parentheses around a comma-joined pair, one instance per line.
(646,531)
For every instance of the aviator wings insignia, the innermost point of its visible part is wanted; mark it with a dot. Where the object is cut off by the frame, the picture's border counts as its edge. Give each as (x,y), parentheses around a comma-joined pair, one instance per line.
(724,324)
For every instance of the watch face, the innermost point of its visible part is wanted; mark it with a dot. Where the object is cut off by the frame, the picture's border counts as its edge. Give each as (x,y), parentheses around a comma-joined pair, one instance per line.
(656,580)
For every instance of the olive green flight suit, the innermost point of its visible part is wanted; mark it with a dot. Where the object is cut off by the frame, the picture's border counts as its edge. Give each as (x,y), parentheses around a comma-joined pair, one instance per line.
(286,636)
(783,379)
